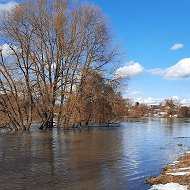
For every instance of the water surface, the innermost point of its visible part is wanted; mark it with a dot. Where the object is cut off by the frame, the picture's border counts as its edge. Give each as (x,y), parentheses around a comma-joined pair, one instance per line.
(96,158)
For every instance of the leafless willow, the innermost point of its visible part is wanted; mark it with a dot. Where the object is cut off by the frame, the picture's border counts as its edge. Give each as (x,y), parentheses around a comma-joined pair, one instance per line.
(57,68)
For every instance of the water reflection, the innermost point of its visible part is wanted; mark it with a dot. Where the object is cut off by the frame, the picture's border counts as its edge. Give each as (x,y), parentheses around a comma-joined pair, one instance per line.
(115,158)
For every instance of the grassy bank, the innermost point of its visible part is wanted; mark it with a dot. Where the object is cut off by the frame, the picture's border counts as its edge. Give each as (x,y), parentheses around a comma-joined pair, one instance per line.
(178,172)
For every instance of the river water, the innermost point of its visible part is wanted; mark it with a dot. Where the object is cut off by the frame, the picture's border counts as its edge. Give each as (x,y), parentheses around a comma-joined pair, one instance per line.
(89,159)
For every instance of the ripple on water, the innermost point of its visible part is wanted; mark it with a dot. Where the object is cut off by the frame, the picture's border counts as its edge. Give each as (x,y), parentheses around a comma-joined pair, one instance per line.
(119,158)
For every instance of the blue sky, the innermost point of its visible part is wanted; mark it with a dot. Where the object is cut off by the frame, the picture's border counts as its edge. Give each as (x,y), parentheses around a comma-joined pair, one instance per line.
(147,30)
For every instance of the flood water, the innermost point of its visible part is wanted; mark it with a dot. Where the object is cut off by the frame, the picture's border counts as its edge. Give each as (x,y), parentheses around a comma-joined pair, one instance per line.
(89,159)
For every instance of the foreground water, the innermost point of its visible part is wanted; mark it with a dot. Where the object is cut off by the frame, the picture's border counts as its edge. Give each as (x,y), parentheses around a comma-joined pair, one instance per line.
(99,158)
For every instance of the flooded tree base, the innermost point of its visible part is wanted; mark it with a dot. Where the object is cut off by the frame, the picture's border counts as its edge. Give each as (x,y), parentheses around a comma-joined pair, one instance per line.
(178,172)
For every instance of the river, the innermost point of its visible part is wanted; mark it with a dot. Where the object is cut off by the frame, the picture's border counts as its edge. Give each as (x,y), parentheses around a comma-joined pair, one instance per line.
(89,159)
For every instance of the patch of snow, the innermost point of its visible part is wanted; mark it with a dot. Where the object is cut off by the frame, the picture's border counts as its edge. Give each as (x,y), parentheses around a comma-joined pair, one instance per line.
(179,173)
(183,168)
(169,186)
(188,152)
(174,163)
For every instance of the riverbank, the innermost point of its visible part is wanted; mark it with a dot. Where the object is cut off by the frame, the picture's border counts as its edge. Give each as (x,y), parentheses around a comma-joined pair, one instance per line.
(175,176)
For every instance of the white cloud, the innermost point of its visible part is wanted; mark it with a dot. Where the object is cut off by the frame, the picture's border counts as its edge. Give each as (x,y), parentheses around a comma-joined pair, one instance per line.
(130,70)
(128,92)
(135,93)
(185,101)
(177,100)
(176,47)
(7,6)
(149,100)
(180,70)
(156,71)
(6,50)
(155,101)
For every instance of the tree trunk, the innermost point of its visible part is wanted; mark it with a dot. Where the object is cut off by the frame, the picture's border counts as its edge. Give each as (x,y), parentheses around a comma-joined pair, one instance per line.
(48,123)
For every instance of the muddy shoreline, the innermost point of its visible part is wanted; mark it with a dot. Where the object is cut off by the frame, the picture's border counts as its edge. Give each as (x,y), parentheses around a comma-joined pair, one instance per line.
(178,172)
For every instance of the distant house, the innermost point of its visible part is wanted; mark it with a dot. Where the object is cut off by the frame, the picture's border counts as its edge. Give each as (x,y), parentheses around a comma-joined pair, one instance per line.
(159,111)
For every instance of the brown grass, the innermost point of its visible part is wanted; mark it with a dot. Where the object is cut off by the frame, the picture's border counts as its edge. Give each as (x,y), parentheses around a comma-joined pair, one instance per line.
(163,178)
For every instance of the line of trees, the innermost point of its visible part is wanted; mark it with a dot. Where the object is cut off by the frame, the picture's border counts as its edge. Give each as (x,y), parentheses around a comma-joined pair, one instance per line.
(57,67)
(167,108)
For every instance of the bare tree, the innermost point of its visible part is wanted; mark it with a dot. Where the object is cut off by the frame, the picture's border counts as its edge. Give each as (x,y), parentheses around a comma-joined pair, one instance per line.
(14,98)
(55,45)
(96,102)
(183,111)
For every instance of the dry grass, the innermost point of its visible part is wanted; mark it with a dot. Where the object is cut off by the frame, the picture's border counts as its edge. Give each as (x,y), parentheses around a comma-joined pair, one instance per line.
(163,178)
